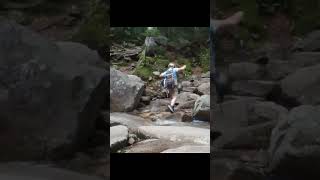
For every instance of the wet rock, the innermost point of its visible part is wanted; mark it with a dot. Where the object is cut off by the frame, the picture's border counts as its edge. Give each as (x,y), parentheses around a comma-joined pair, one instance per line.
(125,91)
(131,121)
(179,134)
(152,146)
(189,149)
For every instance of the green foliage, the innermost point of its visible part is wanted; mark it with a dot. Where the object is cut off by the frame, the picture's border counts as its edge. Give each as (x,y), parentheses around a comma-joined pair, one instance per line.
(305,15)
(127,34)
(204,59)
(94,31)
(152,32)
(144,71)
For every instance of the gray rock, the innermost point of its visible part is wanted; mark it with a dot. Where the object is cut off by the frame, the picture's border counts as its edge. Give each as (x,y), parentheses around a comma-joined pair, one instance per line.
(304,59)
(177,134)
(152,146)
(131,141)
(277,70)
(161,40)
(204,89)
(131,121)
(295,143)
(186,84)
(201,109)
(125,91)
(253,87)
(244,71)
(186,99)
(54,94)
(303,85)
(118,137)
(310,43)
(261,112)
(156,73)
(252,137)
(236,114)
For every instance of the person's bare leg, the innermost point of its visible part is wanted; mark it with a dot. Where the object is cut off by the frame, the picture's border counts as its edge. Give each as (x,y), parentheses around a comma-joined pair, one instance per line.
(232,20)
(173,100)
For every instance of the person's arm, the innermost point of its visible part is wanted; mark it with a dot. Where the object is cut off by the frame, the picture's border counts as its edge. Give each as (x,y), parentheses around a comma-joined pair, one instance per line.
(181,68)
(163,74)
(230,21)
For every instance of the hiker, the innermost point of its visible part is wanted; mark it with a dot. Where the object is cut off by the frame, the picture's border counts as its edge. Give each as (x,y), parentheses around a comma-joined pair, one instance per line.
(170,82)
(218,78)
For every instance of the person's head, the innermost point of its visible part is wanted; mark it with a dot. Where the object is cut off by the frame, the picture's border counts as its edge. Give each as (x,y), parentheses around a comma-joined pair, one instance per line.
(171,65)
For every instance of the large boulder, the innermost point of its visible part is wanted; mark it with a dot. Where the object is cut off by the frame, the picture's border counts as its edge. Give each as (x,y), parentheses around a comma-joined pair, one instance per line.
(304,59)
(125,91)
(294,147)
(186,100)
(118,137)
(244,71)
(177,133)
(277,70)
(51,94)
(245,112)
(246,123)
(204,89)
(253,87)
(303,85)
(201,109)
(310,43)
(152,146)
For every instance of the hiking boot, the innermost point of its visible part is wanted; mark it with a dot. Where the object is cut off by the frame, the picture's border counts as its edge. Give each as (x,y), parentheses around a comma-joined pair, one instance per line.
(171,108)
